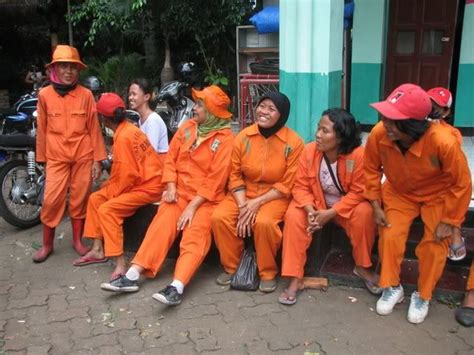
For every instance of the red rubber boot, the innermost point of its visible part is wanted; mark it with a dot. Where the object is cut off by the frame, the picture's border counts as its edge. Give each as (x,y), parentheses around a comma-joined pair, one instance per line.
(77,230)
(48,245)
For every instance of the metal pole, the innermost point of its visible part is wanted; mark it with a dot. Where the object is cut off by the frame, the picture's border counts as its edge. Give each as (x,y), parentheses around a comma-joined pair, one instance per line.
(71,43)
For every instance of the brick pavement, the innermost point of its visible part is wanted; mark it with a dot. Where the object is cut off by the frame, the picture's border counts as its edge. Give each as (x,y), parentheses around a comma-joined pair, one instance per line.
(55,308)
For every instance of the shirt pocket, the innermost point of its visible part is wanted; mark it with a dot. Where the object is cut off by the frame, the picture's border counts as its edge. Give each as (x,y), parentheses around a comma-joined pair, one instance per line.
(55,122)
(78,121)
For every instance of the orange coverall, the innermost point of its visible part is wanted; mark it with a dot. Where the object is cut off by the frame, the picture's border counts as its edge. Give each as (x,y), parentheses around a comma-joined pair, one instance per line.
(68,140)
(431,179)
(470,280)
(135,180)
(453,130)
(354,213)
(258,164)
(197,171)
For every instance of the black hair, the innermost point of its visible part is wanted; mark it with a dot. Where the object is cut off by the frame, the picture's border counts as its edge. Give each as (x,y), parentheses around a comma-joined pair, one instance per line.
(346,128)
(412,127)
(143,84)
(120,114)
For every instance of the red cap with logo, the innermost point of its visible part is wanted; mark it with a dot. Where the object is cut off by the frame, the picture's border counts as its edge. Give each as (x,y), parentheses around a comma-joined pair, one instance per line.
(108,103)
(441,96)
(405,102)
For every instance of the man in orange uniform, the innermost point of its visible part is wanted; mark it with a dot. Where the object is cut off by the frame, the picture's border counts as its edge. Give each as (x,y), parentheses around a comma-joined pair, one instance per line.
(427,174)
(264,162)
(465,314)
(70,143)
(320,197)
(135,181)
(195,173)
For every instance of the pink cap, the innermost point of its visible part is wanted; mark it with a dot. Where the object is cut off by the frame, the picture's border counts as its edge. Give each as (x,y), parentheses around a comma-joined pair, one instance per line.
(441,96)
(108,103)
(405,102)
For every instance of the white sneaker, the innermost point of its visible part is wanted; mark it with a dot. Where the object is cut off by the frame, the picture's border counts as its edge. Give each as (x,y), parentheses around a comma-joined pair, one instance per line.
(418,308)
(390,297)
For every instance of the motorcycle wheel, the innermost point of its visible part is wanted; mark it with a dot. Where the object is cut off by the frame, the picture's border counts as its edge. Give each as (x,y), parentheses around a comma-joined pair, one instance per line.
(14,174)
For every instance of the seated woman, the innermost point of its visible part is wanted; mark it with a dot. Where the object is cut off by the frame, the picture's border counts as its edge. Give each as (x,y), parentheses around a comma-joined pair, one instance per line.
(428,176)
(264,161)
(329,187)
(140,93)
(196,171)
(135,181)
(465,313)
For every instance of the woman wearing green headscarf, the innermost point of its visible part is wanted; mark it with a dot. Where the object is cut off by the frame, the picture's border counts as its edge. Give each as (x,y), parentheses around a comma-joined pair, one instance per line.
(195,172)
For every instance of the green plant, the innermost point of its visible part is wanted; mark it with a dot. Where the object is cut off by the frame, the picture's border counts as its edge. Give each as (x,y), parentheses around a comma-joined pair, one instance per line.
(212,74)
(117,72)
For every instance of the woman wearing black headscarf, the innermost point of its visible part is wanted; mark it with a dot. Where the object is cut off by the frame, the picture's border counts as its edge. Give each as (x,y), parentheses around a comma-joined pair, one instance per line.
(264,162)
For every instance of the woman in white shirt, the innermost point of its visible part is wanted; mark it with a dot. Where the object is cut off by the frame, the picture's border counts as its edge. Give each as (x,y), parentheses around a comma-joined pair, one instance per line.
(140,93)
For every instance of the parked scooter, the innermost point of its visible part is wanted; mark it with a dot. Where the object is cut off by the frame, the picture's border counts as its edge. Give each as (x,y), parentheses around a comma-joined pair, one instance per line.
(21,179)
(179,107)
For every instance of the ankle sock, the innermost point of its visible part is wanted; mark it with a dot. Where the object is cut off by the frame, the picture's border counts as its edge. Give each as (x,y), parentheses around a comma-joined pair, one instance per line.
(178,285)
(132,274)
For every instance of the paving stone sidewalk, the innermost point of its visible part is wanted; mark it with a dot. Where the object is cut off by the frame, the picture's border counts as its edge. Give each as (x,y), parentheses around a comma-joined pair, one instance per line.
(55,308)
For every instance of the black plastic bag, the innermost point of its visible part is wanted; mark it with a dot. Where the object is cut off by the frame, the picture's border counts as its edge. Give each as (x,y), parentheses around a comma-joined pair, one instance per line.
(246,277)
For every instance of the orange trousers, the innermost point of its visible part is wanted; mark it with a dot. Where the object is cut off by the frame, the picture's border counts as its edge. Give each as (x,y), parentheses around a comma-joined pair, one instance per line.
(400,211)
(266,233)
(470,280)
(105,216)
(360,228)
(161,234)
(61,176)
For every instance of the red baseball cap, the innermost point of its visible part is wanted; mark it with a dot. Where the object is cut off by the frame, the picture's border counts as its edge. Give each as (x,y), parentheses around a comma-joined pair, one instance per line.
(108,103)
(405,102)
(441,96)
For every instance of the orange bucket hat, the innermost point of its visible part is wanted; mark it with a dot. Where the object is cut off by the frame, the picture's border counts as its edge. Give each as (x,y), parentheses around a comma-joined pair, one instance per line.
(216,100)
(66,54)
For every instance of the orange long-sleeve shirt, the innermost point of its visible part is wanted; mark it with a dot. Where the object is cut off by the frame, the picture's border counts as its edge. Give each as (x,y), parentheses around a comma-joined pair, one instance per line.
(201,170)
(350,173)
(454,131)
(260,164)
(67,127)
(433,166)
(136,165)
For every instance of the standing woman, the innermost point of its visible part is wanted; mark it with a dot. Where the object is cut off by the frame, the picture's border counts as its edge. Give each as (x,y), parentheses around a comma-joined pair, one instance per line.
(264,162)
(70,143)
(195,174)
(140,93)
(329,186)
(426,175)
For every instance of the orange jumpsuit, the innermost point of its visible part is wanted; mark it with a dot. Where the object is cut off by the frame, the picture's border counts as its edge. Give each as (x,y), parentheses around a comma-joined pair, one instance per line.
(454,131)
(470,280)
(135,180)
(197,171)
(431,179)
(258,164)
(354,213)
(68,140)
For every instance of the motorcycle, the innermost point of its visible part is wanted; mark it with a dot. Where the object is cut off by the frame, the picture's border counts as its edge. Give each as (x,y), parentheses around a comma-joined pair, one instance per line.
(21,179)
(179,108)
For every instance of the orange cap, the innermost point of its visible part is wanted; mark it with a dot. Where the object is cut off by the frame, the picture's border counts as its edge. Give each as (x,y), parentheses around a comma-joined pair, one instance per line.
(216,100)
(66,54)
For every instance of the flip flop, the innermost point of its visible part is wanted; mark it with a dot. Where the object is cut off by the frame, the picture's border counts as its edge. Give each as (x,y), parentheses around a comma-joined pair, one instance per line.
(454,249)
(465,316)
(373,287)
(88,260)
(290,298)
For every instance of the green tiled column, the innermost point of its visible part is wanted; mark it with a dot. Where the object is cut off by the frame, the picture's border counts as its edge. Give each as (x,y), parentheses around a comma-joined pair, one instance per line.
(368,40)
(464,107)
(310,59)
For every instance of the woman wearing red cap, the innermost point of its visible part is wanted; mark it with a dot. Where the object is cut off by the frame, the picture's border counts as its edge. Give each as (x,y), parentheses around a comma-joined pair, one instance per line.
(442,100)
(135,181)
(195,174)
(264,161)
(70,143)
(428,176)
